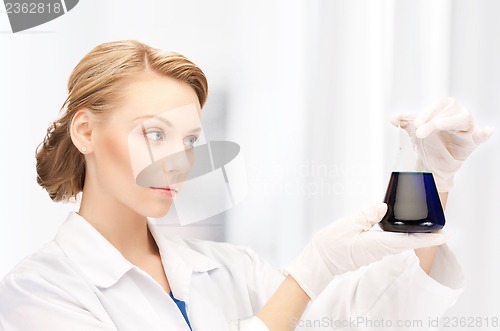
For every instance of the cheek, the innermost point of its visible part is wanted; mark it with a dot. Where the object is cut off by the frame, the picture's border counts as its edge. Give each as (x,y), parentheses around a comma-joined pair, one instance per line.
(115,157)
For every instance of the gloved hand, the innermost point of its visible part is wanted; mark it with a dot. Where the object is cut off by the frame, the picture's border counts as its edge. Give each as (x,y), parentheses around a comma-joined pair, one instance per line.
(350,243)
(446,135)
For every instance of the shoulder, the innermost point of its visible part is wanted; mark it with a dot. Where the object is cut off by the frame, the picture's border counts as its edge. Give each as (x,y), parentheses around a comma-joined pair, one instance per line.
(40,263)
(31,280)
(237,258)
(45,285)
(47,273)
(222,251)
(46,263)
(261,279)
(232,257)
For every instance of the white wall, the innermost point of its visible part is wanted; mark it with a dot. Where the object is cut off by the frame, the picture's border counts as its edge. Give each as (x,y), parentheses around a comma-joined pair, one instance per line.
(34,68)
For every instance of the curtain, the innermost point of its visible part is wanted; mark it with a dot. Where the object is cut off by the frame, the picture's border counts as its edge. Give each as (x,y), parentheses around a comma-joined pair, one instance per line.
(312,90)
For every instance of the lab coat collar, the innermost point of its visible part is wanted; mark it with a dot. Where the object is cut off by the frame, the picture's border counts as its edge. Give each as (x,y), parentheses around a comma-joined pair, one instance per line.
(180,260)
(93,254)
(176,247)
(104,265)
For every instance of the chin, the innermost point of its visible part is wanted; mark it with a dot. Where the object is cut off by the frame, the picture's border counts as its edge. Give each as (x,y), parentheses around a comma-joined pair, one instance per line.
(157,210)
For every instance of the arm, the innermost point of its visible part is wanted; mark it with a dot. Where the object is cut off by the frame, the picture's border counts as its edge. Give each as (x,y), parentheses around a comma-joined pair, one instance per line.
(376,293)
(286,305)
(393,289)
(345,245)
(426,254)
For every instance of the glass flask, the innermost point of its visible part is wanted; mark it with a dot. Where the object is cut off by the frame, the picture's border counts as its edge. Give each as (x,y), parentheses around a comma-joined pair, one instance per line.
(412,199)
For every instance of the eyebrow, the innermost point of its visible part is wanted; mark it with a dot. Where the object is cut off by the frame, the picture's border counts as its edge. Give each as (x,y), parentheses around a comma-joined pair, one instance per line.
(164,120)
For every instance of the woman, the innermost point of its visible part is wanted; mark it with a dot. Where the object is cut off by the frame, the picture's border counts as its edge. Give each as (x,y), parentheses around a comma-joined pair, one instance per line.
(107,269)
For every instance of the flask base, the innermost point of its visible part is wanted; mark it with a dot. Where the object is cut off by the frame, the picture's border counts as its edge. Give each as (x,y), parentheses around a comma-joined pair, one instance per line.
(413,204)
(410,226)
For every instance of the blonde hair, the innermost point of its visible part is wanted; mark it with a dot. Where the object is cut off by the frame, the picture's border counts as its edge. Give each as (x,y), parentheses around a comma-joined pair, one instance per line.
(93,84)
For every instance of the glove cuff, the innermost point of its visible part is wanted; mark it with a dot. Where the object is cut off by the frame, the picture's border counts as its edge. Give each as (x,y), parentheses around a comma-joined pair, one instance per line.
(444,184)
(310,272)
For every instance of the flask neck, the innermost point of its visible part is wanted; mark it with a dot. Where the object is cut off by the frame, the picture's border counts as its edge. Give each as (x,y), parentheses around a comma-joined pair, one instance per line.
(411,154)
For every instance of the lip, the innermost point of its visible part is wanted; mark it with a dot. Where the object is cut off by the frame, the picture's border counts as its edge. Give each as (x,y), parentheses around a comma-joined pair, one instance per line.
(167,191)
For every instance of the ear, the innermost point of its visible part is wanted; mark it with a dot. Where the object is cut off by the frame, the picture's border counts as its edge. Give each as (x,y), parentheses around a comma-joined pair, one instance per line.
(81,131)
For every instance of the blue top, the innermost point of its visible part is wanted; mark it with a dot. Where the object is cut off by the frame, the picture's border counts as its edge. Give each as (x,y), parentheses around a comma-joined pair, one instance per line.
(182,308)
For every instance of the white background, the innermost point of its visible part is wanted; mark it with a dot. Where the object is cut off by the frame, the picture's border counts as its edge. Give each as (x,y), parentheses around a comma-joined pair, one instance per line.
(302,86)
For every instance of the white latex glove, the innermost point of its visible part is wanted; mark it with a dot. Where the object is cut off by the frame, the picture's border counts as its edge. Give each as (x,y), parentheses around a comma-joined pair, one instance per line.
(447,134)
(350,243)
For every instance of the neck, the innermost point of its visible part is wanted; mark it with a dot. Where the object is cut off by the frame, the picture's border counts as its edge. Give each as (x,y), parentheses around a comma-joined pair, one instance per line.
(124,228)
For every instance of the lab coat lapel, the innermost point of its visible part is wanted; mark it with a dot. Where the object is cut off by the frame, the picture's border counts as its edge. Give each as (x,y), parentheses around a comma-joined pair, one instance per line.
(137,308)
(131,298)
(189,273)
(208,310)
(180,261)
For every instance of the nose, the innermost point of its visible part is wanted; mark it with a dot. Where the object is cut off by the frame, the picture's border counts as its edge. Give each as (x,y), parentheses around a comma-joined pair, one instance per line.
(178,163)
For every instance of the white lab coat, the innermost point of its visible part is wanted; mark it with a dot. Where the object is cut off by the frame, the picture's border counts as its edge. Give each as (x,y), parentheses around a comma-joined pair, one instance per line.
(80,282)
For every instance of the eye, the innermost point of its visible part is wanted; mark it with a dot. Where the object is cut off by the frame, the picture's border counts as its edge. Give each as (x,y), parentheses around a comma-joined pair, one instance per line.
(191,141)
(154,135)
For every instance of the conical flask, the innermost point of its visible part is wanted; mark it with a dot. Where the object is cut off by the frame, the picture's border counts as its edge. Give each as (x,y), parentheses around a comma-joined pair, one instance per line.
(412,199)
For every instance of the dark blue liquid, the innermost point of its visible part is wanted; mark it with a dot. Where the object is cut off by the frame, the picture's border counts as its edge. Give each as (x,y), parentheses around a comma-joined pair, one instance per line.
(413,203)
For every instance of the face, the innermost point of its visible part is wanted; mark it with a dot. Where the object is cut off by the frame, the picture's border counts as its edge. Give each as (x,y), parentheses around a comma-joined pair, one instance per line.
(143,150)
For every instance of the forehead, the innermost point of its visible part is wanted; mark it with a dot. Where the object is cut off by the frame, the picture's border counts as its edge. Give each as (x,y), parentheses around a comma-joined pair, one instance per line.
(151,94)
